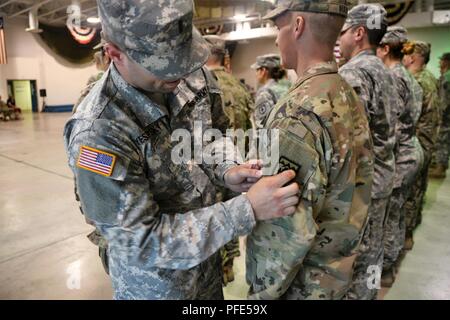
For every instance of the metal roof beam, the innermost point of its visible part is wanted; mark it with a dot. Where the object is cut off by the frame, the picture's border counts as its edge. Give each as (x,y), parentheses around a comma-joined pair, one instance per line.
(37,5)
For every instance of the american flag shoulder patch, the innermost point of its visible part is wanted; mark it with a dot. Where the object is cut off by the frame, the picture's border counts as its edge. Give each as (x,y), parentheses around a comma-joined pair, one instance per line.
(96,161)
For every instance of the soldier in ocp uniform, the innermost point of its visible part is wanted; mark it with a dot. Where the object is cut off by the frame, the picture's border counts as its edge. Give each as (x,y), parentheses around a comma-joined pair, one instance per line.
(442,149)
(237,101)
(324,136)
(158,215)
(427,129)
(270,76)
(408,152)
(373,82)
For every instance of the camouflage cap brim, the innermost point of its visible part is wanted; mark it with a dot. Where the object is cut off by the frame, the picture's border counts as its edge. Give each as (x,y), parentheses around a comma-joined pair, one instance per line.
(255,66)
(176,64)
(345,27)
(99,46)
(278,11)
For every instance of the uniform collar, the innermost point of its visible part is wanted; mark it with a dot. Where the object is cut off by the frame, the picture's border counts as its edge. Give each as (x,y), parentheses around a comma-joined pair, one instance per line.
(365,52)
(270,82)
(316,70)
(145,110)
(188,92)
(216,68)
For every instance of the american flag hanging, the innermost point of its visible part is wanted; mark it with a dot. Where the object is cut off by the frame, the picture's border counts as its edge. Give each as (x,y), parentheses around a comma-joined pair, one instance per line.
(96,161)
(2,44)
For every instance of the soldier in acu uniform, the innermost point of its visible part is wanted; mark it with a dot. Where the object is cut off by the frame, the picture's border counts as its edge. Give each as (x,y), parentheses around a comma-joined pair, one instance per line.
(365,72)
(273,85)
(408,152)
(427,129)
(159,215)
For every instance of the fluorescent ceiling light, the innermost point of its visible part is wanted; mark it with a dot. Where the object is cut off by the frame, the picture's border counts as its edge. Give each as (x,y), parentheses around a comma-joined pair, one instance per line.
(240,17)
(93,20)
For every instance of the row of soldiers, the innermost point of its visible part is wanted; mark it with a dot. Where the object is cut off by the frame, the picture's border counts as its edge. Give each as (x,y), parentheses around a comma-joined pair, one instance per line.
(353,142)
(407,108)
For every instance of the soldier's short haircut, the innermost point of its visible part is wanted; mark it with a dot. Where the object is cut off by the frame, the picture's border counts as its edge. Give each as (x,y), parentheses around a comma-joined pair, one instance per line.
(325,27)
(218,57)
(375,35)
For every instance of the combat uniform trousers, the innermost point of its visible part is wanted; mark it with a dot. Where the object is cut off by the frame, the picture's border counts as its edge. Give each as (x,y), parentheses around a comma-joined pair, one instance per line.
(415,202)
(395,227)
(369,262)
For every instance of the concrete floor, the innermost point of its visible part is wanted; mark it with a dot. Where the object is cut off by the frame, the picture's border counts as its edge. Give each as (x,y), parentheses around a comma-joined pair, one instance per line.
(44,252)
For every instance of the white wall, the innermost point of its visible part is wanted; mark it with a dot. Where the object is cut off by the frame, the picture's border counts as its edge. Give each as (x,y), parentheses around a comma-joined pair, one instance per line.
(439,37)
(30,59)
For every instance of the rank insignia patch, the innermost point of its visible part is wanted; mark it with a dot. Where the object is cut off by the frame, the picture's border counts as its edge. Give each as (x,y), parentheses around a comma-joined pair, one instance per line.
(96,161)
(286,164)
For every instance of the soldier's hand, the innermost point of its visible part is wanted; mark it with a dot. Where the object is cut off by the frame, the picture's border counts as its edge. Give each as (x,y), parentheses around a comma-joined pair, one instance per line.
(269,199)
(242,177)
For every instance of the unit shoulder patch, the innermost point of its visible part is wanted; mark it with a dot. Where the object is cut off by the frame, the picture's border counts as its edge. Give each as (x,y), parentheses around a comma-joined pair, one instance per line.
(286,164)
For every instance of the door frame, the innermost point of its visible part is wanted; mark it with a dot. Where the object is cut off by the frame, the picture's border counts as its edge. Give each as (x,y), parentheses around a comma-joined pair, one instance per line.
(34,92)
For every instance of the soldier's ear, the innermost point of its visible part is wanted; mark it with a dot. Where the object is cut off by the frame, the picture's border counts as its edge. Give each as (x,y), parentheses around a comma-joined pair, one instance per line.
(299,26)
(359,33)
(115,54)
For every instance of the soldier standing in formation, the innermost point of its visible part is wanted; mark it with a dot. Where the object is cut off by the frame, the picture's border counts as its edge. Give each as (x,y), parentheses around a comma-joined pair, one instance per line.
(272,85)
(442,149)
(426,131)
(408,152)
(324,136)
(374,84)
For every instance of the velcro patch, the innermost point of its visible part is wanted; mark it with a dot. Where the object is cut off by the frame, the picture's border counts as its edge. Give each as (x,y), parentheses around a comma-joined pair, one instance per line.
(96,161)
(286,164)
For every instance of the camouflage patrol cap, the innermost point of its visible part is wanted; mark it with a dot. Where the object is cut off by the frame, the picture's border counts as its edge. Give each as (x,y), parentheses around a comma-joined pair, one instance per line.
(267,61)
(395,34)
(371,15)
(216,44)
(338,7)
(422,48)
(158,35)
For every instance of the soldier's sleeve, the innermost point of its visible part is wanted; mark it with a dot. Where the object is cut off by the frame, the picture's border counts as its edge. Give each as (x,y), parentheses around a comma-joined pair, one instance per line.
(426,127)
(251,112)
(124,209)
(277,249)
(358,81)
(264,103)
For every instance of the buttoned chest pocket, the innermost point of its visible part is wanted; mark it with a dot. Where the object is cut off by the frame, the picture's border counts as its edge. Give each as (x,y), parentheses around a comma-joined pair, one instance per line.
(175,186)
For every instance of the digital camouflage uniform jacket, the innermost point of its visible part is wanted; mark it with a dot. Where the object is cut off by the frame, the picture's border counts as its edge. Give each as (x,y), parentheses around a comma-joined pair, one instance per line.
(374,84)
(162,235)
(267,97)
(324,136)
(408,152)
